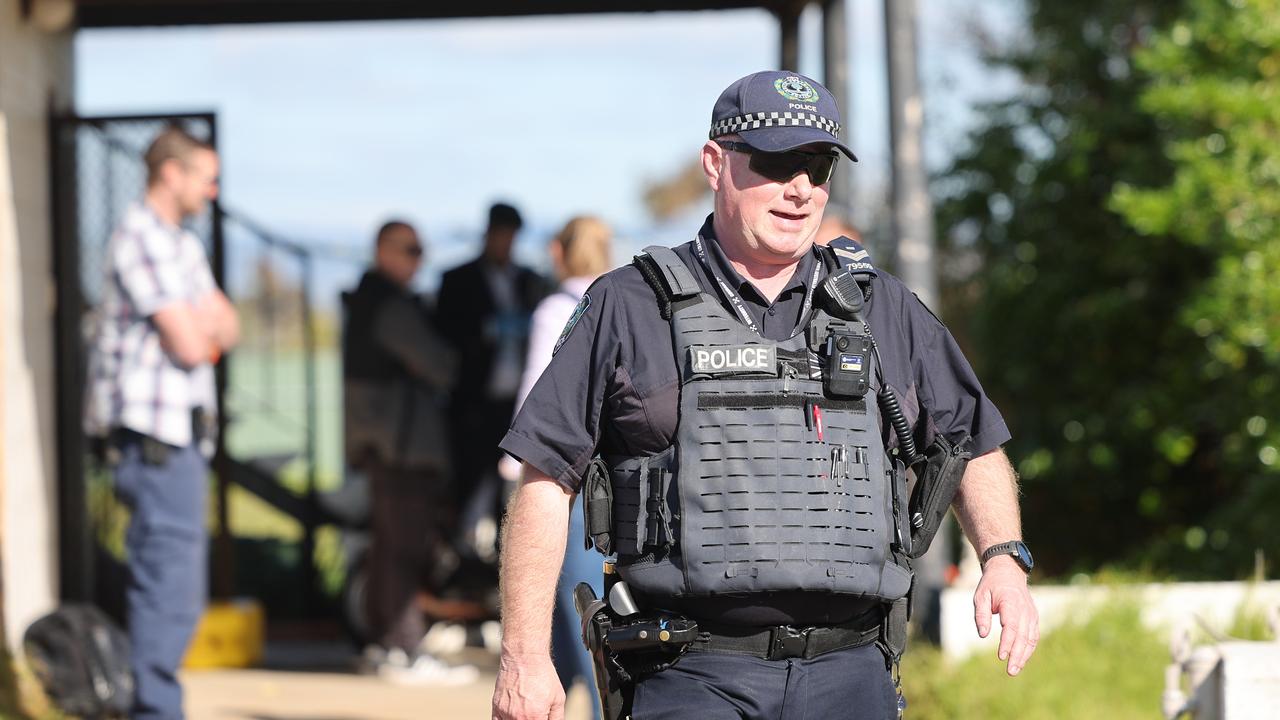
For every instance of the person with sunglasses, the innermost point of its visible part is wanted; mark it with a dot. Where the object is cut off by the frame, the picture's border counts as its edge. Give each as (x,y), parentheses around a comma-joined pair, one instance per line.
(738,412)
(397,370)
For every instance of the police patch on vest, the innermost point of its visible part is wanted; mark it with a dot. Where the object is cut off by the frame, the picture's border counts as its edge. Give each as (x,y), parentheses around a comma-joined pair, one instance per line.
(578,312)
(732,359)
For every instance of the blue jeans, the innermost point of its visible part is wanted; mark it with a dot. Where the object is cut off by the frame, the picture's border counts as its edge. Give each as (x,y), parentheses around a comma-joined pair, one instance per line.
(167,558)
(567,652)
(848,684)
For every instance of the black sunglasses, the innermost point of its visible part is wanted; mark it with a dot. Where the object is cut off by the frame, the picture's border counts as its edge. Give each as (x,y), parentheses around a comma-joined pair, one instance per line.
(782,166)
(412,250)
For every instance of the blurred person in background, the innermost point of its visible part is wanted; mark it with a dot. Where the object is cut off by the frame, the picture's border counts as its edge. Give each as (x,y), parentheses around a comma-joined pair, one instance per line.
(163,326)
(397,371)
(485,308)
(579,253)
(835,225)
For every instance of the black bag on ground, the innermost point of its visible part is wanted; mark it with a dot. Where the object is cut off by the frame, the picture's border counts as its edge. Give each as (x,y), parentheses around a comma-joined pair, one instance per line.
(82,659)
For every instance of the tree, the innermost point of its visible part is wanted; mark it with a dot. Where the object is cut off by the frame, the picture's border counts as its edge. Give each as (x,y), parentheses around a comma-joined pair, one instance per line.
(1078,316)
(1215,85)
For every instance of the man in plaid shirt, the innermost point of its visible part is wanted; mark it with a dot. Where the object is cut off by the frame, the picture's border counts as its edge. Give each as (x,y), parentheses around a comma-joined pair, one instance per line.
(162,325)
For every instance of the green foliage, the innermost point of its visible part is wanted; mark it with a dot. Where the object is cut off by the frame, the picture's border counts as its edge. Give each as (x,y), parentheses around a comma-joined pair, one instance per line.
(1250,623)
(1108,666)
(1215,83)
(1126,307)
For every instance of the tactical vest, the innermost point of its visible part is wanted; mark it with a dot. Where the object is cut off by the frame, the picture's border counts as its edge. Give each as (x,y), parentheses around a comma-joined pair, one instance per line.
(760,492)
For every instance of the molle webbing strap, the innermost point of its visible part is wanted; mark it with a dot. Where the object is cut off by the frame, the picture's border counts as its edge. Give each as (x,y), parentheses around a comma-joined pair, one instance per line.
(679,281)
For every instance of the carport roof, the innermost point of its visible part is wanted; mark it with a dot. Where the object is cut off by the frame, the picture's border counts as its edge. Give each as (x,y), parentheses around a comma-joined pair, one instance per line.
(120,13)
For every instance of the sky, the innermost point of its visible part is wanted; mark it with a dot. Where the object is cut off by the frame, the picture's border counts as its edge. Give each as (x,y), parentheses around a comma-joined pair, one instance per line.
(326,130)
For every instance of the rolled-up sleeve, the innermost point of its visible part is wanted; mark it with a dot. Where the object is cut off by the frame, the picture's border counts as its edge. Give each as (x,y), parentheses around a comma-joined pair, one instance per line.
(558,427)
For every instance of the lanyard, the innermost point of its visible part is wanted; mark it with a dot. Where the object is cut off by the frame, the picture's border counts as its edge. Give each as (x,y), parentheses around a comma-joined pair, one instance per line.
(736,302)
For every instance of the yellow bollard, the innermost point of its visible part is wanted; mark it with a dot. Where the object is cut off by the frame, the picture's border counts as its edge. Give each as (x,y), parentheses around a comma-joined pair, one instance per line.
(231,634)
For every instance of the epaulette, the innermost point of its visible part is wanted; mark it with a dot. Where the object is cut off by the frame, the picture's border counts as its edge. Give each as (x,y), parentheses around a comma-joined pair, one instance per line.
(667,274)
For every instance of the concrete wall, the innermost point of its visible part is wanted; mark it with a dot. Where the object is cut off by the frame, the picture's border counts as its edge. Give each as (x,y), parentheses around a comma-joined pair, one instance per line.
(35,74)
(1164,606)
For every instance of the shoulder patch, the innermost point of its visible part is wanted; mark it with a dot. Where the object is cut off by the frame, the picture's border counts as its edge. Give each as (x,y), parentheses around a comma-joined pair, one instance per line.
(578,312)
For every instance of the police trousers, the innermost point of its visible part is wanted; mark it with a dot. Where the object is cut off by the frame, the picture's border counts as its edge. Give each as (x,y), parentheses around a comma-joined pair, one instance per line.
(168,567)
(851,684)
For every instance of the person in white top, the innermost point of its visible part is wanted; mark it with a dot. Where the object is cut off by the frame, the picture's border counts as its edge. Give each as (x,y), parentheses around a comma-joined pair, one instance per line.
(580,253)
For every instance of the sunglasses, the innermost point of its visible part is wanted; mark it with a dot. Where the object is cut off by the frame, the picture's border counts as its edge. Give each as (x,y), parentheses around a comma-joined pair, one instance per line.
(412,251)
(782,166)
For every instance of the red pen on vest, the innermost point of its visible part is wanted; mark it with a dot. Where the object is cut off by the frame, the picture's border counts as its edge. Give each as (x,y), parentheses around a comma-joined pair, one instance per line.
(817,420)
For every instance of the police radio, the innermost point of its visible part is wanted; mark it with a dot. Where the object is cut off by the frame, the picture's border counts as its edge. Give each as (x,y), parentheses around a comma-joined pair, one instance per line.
(848,354)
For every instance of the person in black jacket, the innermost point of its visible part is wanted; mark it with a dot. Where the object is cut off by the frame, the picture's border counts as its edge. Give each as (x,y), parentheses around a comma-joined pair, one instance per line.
(485,308)
(397,372)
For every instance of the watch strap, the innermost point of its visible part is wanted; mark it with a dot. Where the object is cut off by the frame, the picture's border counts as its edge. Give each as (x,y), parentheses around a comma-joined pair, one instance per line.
(1004,548)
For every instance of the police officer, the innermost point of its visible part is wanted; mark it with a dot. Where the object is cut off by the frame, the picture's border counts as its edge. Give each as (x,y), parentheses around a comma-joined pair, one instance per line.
(750,492)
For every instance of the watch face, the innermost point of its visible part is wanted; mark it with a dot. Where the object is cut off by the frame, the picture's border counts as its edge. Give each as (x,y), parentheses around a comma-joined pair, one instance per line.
(1024,557)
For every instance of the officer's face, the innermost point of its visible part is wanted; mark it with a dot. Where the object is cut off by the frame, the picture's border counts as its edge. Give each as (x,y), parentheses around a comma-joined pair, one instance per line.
(773,222)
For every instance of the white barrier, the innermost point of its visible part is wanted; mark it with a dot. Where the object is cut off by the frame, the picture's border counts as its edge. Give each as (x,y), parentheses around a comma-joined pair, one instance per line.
(1164,606)
(1233,680)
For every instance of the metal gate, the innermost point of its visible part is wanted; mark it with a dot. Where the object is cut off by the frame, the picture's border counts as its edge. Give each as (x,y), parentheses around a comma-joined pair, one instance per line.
(98,171)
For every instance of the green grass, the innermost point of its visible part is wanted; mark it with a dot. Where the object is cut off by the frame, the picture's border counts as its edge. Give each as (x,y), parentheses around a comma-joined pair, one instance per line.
(267,407)
(1105,666)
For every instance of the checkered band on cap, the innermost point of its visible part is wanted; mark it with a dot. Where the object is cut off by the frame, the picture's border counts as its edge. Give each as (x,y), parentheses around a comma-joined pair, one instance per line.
(752,121)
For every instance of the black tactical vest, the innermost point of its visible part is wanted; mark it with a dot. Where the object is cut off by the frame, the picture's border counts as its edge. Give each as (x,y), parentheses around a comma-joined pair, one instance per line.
(771,484)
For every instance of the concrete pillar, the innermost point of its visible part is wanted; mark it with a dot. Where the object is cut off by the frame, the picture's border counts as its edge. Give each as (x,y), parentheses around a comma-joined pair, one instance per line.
(35,75)
(835,75)
(912,208)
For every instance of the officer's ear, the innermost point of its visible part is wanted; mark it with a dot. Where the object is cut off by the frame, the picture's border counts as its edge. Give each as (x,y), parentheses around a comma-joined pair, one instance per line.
(713,164)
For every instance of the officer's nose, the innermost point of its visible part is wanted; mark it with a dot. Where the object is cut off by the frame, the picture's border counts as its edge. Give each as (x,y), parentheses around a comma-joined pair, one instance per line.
(799,189)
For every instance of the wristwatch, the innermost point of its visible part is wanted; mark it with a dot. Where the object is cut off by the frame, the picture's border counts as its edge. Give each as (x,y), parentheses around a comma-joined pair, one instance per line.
(1016,548)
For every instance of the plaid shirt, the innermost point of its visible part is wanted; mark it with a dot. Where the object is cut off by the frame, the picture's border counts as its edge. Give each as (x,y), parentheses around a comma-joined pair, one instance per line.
(133,383)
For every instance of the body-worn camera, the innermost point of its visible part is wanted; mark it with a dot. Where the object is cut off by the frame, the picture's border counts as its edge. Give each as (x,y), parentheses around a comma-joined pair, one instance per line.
(848,369)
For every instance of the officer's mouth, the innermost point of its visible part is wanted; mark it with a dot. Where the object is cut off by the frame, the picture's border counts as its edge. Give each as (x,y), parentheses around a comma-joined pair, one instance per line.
(789,218)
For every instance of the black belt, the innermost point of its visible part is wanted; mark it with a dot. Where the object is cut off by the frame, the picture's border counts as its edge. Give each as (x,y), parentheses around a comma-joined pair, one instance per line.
(781,642)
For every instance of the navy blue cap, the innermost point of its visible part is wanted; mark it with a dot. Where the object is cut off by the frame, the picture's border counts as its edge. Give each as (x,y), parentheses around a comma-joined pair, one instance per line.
(778,110)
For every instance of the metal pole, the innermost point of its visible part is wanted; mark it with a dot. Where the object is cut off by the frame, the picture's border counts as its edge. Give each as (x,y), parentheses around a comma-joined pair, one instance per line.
(76,541)
(789,29)
(308,559)
(912,210)
(835,69)
(913,233)
(224,552)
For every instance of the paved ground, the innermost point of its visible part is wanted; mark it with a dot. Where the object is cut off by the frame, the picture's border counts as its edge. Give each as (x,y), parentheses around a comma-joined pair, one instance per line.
(318,683)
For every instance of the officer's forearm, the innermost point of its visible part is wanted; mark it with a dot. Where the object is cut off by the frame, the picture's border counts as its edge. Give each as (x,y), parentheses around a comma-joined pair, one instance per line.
(533,542)
(987,503)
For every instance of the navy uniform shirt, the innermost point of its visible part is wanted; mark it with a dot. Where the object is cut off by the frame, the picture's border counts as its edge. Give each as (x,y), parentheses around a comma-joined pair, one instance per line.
(612,389)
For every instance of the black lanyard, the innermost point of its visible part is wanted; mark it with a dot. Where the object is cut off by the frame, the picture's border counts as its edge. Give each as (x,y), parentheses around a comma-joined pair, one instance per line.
(736,302)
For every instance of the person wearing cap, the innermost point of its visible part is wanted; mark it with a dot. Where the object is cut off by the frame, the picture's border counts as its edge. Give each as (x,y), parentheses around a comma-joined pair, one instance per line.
(698,378)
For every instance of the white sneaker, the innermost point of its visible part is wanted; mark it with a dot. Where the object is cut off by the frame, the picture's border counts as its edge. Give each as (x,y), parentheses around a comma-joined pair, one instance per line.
(424,670)
(444,638)
(373,657)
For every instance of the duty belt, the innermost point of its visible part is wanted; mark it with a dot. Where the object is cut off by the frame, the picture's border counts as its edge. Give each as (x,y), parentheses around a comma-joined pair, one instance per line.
(781,642)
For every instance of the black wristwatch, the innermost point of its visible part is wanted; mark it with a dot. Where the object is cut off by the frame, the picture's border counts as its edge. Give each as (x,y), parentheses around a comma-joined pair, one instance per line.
(1017,549)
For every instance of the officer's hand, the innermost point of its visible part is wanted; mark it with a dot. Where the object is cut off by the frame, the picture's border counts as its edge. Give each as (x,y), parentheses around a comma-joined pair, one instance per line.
(527,689)
(1003,591)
